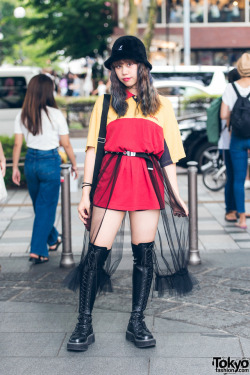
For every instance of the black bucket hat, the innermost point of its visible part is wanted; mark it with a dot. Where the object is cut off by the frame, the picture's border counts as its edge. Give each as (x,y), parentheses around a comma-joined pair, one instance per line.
(128,47)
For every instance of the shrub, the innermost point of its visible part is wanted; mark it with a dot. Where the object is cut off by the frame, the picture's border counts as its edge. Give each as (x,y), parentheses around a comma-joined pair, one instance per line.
(8,144)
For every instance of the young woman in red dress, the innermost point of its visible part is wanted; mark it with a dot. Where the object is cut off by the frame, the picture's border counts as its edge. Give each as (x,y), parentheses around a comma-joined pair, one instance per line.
(138,175)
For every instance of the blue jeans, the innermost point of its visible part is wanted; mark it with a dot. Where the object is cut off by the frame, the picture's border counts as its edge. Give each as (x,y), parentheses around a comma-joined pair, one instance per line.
(42,171)
(229,187)
(239,155)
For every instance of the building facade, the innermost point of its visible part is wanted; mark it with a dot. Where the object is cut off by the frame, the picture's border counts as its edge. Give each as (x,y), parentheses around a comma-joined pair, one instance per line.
(219,30)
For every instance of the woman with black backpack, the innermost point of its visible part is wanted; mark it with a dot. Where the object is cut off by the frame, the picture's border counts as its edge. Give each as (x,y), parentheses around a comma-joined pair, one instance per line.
(235,109)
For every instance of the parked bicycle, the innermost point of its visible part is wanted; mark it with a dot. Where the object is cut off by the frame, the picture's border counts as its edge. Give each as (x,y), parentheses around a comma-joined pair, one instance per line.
(214,172)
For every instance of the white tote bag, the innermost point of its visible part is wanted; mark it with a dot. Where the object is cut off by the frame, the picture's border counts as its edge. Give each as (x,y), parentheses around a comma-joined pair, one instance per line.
(3,191)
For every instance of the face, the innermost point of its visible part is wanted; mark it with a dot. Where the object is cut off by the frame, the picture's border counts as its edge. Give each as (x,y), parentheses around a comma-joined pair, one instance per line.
(126,71)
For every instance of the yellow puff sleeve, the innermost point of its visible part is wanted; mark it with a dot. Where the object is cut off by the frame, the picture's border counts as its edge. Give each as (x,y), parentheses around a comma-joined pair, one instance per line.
(171,132)
(94,123)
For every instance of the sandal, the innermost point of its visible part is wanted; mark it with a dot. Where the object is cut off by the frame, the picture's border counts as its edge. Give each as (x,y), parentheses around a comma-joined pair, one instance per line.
(58,243)
(39,260)
(230,220)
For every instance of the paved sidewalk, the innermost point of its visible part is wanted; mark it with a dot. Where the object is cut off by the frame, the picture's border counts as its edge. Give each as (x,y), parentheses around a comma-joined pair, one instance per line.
(37,315)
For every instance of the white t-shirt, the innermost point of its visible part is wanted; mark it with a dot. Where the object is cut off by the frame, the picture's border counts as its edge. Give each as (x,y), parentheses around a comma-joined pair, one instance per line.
(52,128)
(229,98)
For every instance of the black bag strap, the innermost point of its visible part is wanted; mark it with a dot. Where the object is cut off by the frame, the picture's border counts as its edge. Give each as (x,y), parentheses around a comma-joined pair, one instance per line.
(100,143)
(236,90)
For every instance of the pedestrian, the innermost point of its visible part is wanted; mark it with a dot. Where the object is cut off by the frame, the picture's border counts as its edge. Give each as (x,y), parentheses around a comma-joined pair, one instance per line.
(101,89)
(42,125)
(238,146)
(141,132)
(2,160)
(223,146)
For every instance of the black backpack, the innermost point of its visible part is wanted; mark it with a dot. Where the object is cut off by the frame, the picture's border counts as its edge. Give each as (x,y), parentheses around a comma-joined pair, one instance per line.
(240,116)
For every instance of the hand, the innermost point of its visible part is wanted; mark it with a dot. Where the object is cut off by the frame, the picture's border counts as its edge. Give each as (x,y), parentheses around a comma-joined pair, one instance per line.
(16,176)
(3,166)
(84,210)
(74,169)
(184,206)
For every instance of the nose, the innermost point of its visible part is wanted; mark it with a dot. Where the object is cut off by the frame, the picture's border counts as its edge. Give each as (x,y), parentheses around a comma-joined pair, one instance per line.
(124,69)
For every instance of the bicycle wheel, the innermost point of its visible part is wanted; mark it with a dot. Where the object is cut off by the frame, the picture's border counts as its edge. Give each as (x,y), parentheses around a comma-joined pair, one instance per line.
(215,178)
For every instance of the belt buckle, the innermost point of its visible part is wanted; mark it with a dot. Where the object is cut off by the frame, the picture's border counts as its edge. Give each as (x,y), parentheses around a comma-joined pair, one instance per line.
(131,153)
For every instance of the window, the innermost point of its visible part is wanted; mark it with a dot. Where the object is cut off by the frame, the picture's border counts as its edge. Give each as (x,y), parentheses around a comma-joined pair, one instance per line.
(12,92)
(226,11)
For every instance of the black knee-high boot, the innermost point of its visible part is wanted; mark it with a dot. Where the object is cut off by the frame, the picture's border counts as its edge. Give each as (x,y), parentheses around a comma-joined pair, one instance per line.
(137,330)
(83,334)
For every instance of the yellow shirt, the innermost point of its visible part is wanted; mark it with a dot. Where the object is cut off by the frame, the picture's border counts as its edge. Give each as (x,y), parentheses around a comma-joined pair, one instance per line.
(164,118)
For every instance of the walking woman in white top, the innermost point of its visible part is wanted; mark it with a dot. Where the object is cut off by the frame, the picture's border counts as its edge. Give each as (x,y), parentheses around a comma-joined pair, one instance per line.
(43,126)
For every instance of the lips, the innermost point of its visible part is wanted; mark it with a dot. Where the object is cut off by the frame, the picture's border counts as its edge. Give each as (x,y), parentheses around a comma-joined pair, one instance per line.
(126,79)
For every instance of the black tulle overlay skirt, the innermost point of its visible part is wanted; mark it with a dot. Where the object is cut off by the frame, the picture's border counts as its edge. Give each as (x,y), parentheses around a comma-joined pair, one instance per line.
(170,252)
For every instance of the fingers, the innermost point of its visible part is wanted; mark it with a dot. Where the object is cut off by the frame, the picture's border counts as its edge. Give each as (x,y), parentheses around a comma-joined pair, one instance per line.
(84,214)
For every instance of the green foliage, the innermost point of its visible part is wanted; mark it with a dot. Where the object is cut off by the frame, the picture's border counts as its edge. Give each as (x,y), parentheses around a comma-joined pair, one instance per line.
(9,29)
(75,28)
(69,101)
(199,100)
(8,144)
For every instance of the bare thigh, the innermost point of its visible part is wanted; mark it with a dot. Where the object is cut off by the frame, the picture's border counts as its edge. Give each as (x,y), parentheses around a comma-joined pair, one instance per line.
(143,225)
(104,229)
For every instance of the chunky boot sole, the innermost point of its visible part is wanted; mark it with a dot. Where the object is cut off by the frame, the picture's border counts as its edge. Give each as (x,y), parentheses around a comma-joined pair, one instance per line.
(83,346)
(139,343)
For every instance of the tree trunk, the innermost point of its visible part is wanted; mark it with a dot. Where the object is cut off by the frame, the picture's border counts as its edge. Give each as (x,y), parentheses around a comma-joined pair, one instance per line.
(131,21)
(149,31)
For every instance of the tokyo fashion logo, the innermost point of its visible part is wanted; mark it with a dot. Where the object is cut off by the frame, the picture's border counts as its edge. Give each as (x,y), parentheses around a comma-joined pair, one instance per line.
(231,366)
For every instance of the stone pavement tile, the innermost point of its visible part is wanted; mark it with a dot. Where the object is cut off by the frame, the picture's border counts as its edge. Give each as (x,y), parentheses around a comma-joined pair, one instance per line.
(38,322)
(8,212)
(165,326)
(17,365)
(241,330)
(6,294)
(237,273)
(24,213)
(113,322)
(240,236)
(204,213)
(244,245)
(76,364)
(4,224)
(16,234)
(175,345)
(30,344)
(218,242)
(45,296)
(9,249)
(181,366)
(239,286)
(23,225)
(31,307)
(210,317)
(245,346)
(208,295)
(209,225)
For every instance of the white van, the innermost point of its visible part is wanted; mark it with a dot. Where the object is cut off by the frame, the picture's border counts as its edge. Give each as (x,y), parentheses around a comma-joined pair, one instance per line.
(13,86)
(214,78)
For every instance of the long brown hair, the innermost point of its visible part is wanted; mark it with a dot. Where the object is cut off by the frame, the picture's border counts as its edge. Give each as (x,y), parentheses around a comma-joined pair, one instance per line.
(39,95)
(147,96)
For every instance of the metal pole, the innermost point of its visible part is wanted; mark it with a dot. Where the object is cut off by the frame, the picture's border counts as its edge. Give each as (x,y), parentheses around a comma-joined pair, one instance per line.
(67,259)
(194,255)
(186,32)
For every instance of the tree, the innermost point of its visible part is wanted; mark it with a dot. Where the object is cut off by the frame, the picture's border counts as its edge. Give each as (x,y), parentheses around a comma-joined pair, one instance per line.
(131,21)
(9,30)
(74,28)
